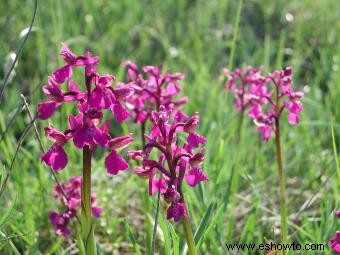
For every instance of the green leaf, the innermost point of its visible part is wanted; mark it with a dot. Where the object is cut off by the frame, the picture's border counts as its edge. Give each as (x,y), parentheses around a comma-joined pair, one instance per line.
(204,222)
(132,238)
(202,226)
(165,231)
(175,239)
(8,213)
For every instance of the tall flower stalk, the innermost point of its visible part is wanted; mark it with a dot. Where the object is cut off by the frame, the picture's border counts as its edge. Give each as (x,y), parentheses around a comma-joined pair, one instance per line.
(86,215)
(152,88)
(174,164)
(87,130)
(246,85)
(334,243)
(265,107)
(266,110)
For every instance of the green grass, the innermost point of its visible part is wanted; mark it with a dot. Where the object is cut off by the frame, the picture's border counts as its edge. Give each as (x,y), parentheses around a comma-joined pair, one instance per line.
(197,38)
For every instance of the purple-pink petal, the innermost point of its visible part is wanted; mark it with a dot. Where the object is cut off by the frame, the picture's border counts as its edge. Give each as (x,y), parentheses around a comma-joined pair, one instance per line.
(157,184)
(195,176)
(68,56)
(293,118)
(266,131)
(334,243)
(122,92)
(62,231)
(75,121)
(176,211)
(255,111)
(62,74)
(74,203)
(120,142)
(101,98)
(100,137)
(55,135)
(53,92)
(96,211)
(46,110)
(119,112)
(294,106)
(54,218)
(115,163)
(55,157)
(81,137)
(194,140)
(337,214)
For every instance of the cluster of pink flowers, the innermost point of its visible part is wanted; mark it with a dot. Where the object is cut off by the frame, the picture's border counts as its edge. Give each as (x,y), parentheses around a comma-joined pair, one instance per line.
(183,162)
(265,104)
(246,85)
(334,243)
(71,204)
(152,90)
(86,128)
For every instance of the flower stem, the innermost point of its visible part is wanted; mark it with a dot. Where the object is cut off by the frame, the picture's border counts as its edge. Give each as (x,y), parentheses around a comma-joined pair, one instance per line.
(156,219)
(86,215)
(235,178)
(146,202)
(189,236)
(283,205)
(187,228)
(142,132)
(240,126)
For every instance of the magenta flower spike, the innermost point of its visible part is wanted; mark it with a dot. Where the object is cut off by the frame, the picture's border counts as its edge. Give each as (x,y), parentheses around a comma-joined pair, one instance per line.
(176,163)
(86,128)
(334,243)
(87,131)
(152,89)
(70,207)
(266,108)
(247,85)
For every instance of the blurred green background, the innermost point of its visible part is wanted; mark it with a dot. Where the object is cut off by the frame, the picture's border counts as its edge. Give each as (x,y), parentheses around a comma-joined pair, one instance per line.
(197,38)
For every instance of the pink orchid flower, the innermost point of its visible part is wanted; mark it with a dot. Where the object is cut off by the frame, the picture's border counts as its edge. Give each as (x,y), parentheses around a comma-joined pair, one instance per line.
(86,128)
(152,88)
(70,206)
(181,160)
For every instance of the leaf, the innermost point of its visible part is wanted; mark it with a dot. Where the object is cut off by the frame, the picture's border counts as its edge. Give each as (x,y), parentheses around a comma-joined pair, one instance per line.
(175,239)
(7,213)
(202,226)
(204,223)
(164,228)
(218,214)
(132,238)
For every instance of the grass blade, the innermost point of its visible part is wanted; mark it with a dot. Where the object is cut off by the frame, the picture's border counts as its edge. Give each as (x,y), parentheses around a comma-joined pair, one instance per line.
(202,226)
(132,238)
(8,213)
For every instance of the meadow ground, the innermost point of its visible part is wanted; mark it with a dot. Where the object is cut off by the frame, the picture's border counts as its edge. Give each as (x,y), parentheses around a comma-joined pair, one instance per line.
(198,38)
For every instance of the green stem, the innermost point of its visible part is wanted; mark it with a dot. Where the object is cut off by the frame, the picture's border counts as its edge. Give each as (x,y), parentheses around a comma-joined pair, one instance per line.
(148,224)
(235,179)
(146,201)
(187,228)
(283,205)
(86,214)
(240,126)
(80,244)
(142,132)
(189,236)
